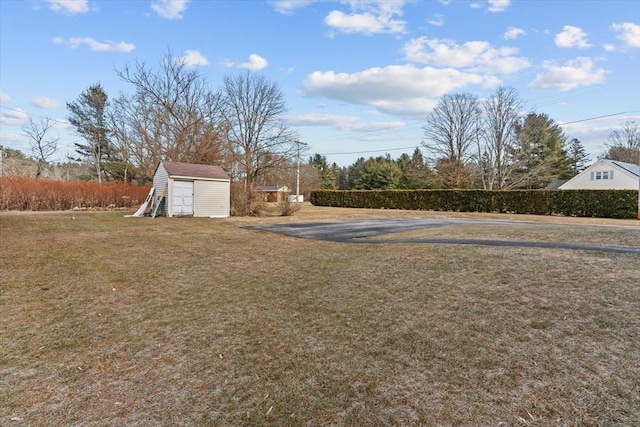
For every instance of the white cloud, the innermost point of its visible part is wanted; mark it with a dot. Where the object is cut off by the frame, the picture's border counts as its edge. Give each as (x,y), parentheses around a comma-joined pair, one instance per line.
(572,37)
(255,63)
(44,102)
(170,9)
(513,33)
(395,89)
(364,16)
(226,63)
(609,47)
(342,123)
(287,7)
(193,58)
(437,19)
(415,108)
(4,98)
(94,45)
(573,74)
(628,33)
(69,7)
(14,139)
(474,55)
(14,117)
(368,17)
(498,5)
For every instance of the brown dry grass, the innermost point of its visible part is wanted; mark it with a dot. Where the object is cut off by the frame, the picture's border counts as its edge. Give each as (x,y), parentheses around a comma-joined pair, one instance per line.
(124,321)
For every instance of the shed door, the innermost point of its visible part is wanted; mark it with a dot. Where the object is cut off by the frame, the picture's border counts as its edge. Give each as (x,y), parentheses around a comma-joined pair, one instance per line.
(183,197)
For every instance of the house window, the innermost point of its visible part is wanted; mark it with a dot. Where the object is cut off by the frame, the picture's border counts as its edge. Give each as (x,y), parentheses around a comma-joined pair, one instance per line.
(601,175)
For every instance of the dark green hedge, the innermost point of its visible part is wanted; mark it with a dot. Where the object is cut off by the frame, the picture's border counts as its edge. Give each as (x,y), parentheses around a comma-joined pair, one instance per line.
(584,203)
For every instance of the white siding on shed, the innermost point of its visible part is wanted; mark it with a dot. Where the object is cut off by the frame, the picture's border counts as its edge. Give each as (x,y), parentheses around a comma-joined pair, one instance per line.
(160,178)
(191,189)
(212,199)
(160,182)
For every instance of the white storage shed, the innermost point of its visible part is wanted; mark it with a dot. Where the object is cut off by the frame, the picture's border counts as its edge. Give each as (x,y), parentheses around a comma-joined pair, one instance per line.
(192,190)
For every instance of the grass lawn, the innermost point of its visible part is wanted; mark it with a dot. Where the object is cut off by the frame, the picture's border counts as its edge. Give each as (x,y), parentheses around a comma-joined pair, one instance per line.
(112,321)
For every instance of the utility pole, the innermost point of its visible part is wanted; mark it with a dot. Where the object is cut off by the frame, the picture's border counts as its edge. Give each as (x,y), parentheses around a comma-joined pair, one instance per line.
(298,143)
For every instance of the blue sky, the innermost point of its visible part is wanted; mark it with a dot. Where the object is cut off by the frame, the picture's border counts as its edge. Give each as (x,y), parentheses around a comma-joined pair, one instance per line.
(359,76)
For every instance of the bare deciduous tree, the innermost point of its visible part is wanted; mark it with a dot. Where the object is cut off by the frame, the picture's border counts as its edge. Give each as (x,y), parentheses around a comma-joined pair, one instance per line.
(258,137)
(42,146)
(497,154)
(624,144)
(173,115)
(450,133)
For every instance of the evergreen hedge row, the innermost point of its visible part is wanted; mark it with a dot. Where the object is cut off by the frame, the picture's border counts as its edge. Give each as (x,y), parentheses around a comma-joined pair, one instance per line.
(582,203)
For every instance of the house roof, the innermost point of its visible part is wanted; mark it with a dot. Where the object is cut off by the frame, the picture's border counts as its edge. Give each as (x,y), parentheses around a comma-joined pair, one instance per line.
(272,188)
(629,167)
(195,171)
(554,185)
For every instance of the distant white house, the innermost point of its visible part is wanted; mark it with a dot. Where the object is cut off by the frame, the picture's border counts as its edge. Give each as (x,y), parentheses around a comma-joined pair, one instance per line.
(605,175)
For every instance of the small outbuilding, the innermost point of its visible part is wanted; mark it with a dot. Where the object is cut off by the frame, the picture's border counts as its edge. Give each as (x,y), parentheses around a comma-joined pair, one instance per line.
(185,189)
(272,193)
(605,174)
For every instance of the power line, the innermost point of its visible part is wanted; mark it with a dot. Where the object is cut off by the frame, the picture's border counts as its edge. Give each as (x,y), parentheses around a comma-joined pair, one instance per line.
(370,151)
(19,110)
(595,118)
(408,148)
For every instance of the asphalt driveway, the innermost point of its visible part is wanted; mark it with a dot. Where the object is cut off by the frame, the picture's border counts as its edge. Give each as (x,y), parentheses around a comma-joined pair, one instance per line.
(354,231)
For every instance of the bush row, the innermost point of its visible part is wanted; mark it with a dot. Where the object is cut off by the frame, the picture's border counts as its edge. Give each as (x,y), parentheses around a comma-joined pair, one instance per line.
(29,194)
(583,203)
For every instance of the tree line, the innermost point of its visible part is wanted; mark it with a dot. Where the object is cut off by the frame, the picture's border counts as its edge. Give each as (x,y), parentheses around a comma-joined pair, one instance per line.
(173,114)
(488,144)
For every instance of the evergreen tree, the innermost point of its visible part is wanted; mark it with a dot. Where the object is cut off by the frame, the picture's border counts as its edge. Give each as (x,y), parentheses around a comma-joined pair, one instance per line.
(577,156)
(327,173)
(89,116)
(342,177)
(415,172)
(541,153)
(353,173)
(379,173)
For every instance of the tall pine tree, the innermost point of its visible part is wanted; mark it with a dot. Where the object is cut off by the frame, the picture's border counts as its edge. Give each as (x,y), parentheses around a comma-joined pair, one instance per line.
(541,153)
(577,157)
(89,116)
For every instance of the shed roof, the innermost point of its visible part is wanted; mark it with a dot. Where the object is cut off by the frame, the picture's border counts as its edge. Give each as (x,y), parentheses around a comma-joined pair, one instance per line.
(195,171)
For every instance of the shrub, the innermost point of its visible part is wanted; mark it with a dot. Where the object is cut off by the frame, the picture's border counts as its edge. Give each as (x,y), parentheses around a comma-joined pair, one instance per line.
(287,208)
(585,203)
(29,194)
(243,202)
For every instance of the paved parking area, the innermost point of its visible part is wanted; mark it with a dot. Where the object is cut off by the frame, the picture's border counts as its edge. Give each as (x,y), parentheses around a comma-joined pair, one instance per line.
(353,231)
